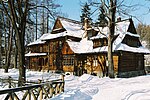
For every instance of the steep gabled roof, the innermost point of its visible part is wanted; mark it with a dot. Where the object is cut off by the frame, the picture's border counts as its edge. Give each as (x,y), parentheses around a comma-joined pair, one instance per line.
(121,30)
(75,29)
(71,28)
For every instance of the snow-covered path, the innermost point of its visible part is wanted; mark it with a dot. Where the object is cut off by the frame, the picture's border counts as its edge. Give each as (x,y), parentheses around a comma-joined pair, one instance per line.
(89,87)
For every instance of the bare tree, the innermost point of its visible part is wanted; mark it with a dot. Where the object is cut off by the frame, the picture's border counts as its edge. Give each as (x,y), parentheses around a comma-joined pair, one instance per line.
(16,11)
(0,37)
(110,9)
(41,16)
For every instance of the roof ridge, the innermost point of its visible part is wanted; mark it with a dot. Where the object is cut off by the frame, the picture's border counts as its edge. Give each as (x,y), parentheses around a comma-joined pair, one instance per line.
(128,19)
(70,20)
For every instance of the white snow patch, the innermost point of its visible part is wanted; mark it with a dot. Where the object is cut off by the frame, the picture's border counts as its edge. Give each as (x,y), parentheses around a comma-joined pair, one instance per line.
(88,87)
(85,78)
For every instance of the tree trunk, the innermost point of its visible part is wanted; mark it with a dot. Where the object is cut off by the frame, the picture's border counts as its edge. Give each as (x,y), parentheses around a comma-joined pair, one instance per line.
(15,58)
(36,20)
(43,20)
(1,27)
(0,48)
(111,25)
(110,58)
(21,54)
(16,53)
(8,57)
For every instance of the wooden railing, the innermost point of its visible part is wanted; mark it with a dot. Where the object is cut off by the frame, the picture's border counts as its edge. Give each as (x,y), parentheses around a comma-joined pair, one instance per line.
(34,92)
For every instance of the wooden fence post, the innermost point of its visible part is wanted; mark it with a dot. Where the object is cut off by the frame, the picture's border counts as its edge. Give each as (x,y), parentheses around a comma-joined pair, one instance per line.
(63,84)
(41,89)
(39,81)
(29,95)
(62,77)
(41,93)
(9,81)
(51,90)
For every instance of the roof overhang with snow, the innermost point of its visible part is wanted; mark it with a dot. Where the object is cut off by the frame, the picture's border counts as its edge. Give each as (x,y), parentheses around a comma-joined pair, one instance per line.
(35,54)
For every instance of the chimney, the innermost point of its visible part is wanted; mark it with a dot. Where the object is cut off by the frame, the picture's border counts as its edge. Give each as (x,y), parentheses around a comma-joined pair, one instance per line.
(85,27)
(119,19)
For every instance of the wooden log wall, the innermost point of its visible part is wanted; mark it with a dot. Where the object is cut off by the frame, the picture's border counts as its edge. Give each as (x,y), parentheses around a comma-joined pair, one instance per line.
(115,61)
(98,64)
(131,62)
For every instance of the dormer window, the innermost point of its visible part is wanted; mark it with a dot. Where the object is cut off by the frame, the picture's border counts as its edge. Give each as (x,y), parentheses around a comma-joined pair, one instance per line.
(91,33)
(100,42)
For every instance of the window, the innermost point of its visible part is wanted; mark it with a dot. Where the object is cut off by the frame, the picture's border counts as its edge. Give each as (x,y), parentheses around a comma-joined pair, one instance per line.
(105,42)
(95,62)
(100,42)
(68,60)
(45,48)
(41,49)
(41,62)
(46,61)
(60,44)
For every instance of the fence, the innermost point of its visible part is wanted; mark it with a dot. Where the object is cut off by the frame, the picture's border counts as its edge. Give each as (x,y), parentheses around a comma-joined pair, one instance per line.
(34,92)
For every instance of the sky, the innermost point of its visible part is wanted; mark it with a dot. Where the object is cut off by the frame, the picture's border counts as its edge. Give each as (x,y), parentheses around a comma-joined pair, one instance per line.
(72,8)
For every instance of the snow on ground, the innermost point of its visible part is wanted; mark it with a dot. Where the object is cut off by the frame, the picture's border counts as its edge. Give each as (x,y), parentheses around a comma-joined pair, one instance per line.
(88,87)
(30,75)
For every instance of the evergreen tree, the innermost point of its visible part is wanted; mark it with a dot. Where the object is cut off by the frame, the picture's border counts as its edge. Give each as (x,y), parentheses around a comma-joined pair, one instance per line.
(101,21)
(85,13)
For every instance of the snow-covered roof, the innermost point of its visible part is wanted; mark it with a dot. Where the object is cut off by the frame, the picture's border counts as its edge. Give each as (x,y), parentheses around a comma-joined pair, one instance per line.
(124,47)
(35,54)
(73,28)
(103,33)
(58,35)
(39,41)
(120,30)
(53,36)
(83,46)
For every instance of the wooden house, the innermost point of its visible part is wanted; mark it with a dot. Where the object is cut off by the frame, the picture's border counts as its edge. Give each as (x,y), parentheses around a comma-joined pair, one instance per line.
(76,48)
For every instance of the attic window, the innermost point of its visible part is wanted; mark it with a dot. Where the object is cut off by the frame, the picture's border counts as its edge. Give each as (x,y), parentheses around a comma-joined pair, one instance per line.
(100,42)
(91,33)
